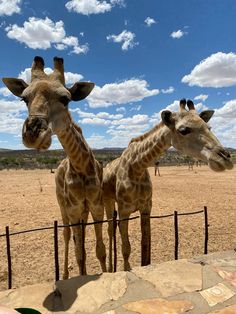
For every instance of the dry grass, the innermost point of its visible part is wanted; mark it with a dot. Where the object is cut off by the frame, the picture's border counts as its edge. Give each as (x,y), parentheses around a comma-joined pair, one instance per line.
(28,200)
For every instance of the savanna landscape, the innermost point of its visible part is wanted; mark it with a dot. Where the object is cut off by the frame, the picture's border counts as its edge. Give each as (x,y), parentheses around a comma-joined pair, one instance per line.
(28,201)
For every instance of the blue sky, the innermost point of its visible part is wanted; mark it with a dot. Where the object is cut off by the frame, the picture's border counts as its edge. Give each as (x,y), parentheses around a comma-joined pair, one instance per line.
(143,56)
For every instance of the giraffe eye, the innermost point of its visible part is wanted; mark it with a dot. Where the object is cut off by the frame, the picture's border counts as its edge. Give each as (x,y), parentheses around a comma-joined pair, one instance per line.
(184,130)
(64,100)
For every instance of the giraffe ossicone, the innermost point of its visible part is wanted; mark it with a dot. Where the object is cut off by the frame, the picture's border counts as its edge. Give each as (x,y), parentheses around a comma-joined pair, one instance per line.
(79,176)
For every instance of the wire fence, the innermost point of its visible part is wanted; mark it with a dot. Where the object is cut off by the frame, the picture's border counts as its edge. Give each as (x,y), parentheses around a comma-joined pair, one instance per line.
(115,221)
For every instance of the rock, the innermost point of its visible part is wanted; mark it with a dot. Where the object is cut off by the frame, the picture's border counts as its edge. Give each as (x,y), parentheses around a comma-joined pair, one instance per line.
(7,310)
(20,297)
(160,306)
(89,296)
(227,310)
(172,277)
(217,294)
(229,276)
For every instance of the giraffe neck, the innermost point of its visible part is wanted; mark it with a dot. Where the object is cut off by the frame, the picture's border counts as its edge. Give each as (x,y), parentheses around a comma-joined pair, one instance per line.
(75,146)
(147,148)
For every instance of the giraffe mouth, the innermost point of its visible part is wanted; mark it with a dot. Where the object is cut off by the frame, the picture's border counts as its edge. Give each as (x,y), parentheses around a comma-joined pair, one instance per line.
(37,134)
(219,159)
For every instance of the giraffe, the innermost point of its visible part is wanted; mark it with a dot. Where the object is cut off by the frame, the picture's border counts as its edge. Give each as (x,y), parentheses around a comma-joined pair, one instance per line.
(126,180)
(79,176)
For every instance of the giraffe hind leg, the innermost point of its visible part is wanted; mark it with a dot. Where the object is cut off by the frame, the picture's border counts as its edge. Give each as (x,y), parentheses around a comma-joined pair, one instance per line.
(110,208)
(126,248)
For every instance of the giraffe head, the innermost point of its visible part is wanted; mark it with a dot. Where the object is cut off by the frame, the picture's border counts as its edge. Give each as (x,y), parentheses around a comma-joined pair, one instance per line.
(191,135)
(47,99)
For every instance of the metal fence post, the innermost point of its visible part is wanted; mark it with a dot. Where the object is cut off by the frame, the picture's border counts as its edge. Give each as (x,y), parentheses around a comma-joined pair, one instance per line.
(83,246)
(57,271)
(9,258)
(176,234)
(206,229)
(114,225)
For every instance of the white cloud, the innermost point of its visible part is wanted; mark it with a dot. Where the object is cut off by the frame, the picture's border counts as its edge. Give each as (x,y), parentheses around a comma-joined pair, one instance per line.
(9,7)
(100,115)
(224,123)
(228,110)
(178,34)
(126,38)
(149,21)
(88,7)
(106,115)
(43,33)
(10,116)
(218,70)
(169,90)
(70,77)
(121,109)
(136,108)
(5,92)
(95,121)
(201,97)
(120,93)
(134,120)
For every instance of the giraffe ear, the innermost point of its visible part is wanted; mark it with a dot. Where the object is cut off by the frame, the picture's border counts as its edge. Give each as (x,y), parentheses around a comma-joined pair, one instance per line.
(16,86)
(80,90)
(206,115)
(168,119)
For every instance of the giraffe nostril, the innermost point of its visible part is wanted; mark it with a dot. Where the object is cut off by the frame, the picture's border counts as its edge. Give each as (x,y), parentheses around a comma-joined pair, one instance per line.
(224,153)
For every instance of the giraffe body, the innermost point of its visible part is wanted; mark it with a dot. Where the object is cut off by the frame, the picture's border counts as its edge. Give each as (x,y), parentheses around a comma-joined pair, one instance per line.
(79,176)
(126,180)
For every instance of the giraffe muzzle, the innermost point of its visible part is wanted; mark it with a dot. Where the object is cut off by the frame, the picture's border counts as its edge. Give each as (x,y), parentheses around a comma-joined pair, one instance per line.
(220,159)
(36,133)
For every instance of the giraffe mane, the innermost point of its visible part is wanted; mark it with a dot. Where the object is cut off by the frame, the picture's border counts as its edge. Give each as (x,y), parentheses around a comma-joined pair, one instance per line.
(78,128)
(147,134)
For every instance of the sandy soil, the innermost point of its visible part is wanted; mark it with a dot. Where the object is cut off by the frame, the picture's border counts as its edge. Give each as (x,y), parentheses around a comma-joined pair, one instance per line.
(28,200)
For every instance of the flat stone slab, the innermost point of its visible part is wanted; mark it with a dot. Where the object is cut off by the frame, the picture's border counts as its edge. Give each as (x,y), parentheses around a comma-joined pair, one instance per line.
(220,259)
(217,294)
(227,310)
(80,295)
(29,296)
(160,306)
(172,277)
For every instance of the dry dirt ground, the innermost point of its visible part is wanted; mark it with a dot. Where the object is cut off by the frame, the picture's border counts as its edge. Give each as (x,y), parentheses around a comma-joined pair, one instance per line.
(28,201)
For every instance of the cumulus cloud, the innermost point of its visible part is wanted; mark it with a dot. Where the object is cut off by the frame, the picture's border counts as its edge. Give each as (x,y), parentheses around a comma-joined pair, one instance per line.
(9,7)
(228,110)
(121,109)
(88,7)
(11,120)
(201,97)
(120,93)
(100,115)
(4,91)
(149,21)
(43,33)
(126,38)
(177,34)
(70,77)
(218,70)
(169,90)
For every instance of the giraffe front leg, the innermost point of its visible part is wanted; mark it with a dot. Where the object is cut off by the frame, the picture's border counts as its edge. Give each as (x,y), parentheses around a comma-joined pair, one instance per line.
(146,239)
(97,214)
(80,252)
(66,234)
(126,248)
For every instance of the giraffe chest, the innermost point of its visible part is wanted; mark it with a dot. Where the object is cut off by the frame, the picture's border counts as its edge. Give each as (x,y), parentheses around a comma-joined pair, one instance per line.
(135,191)
(80,188)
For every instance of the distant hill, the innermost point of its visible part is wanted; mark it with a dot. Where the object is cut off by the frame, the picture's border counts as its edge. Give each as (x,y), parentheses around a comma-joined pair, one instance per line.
(33,159)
